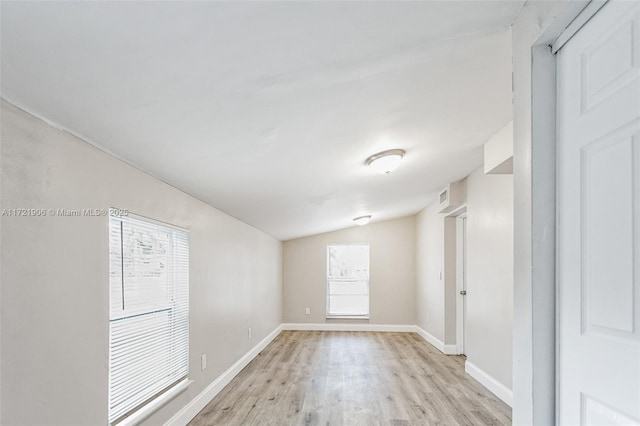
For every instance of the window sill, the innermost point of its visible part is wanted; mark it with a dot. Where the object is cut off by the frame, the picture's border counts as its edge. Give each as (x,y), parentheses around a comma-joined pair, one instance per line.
(362,317)
(156,404)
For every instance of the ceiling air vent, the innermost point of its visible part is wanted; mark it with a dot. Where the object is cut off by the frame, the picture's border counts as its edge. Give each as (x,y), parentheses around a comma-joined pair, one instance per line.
(450,198)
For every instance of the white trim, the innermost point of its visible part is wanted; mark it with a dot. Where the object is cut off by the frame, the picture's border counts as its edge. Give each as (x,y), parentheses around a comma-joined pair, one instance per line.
(348,317)
(535,357)
(403,328)
(497,388)
(461,272)
(590,9)
(155,405)
(540,362)
(435,342)
(194,406)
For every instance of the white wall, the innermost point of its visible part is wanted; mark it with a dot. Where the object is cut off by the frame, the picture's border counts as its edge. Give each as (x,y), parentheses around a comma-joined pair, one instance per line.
(498,151)
(54,275)
(429,266)
(489,300)
(488,343)
(530,23)
(392,275)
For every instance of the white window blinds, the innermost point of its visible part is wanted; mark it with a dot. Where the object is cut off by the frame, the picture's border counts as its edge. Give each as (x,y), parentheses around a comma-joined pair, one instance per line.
(348,280)
(149,312)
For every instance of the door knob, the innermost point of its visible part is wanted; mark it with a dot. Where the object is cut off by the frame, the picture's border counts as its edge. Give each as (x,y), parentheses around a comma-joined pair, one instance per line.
(463,292)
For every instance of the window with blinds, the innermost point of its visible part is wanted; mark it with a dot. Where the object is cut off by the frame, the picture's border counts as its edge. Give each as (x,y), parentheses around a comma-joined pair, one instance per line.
(149,312)
(348,280)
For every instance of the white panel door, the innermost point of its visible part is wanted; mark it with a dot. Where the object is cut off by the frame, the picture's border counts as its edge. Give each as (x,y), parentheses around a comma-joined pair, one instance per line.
(598,210)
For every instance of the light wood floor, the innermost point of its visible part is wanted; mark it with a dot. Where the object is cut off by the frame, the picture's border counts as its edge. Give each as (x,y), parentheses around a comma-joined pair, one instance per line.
(353,378)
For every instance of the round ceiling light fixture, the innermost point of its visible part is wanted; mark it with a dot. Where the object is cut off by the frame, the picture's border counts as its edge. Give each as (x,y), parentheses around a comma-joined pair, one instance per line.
(362,220)
(385,161)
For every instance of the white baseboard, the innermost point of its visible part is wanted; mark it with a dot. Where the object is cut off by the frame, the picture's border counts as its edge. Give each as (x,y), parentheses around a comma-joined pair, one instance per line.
(497,388)
(437,343)
(190,410)
(349,327)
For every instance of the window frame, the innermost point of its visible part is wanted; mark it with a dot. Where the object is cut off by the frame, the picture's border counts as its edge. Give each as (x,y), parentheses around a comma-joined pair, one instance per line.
(328,313)
(156,400)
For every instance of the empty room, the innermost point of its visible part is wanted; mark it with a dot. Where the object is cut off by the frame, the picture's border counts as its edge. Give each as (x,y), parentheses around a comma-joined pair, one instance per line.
(320,212)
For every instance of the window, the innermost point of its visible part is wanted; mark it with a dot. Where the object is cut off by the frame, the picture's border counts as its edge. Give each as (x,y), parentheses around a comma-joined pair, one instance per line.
(149,312)
(348,280)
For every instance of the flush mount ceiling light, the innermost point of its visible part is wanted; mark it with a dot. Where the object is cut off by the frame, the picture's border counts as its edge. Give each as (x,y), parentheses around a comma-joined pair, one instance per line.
(385,161)
(362,220)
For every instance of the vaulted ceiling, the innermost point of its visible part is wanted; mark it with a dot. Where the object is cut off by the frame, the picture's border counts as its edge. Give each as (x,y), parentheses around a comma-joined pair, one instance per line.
(267,110)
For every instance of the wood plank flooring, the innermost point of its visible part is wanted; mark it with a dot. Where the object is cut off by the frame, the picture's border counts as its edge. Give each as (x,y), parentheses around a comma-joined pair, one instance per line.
(350,379)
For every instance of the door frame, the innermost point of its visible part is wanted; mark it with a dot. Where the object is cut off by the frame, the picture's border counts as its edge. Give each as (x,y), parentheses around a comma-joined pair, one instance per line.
(461,261)
(544,292)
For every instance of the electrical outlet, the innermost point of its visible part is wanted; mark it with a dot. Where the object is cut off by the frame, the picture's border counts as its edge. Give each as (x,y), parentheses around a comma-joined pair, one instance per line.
(249,333)
(307,311)
(203,361)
